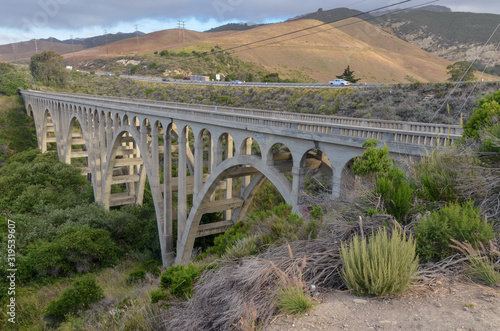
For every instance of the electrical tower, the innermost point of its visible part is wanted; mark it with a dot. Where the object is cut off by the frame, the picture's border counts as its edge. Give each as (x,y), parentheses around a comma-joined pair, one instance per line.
(137,36)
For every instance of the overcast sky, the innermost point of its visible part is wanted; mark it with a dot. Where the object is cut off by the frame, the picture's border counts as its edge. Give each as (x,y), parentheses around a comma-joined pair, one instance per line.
(22,20)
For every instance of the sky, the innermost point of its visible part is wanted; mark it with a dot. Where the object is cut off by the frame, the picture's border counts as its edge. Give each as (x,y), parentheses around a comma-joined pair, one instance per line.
(22,20)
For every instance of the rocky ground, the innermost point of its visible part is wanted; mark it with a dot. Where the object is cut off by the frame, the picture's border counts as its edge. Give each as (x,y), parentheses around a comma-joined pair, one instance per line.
(445,304)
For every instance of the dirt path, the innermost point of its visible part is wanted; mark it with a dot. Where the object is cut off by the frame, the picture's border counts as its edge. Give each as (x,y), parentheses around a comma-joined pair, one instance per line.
(448,304)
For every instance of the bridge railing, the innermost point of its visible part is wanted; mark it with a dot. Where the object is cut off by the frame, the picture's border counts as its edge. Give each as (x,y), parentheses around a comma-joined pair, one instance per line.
(413,133)
(372,123)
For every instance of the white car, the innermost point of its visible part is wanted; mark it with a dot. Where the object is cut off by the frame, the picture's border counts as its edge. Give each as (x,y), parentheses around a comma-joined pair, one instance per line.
(339,82)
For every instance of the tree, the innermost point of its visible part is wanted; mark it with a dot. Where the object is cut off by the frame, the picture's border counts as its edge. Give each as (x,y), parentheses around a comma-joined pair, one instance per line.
(11,79)
(460,71)
(348,75)
(48,68)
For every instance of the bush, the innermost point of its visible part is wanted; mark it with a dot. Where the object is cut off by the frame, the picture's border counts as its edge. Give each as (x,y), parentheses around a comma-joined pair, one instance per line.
(158,295)
(180,280)
(75,251)
(460,222)
(292,300)
(396,193)
(11,79)
(373,160)
(75,298)
(379,265)
(437,175)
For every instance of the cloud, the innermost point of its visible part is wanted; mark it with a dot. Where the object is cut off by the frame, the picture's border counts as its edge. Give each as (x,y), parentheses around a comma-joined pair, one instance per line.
(73,14)
(35,18)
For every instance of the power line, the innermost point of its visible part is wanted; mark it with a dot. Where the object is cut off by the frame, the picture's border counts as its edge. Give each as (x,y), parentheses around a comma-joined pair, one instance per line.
(347,24)
(300,30)
(465,73)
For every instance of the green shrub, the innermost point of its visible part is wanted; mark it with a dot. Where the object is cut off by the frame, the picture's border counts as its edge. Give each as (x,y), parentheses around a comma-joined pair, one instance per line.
(11,79)
(373,160)
(317,212)
(75,298)
(243,247)
(379,265)
(292,300)
(180,280)
(437,174)
(75,251)
(487,110)
(460,222)
(158,295)
(396,193)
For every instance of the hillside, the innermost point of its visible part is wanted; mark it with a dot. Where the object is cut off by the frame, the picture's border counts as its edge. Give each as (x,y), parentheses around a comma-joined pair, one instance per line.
(24,50)
(454,36)
(317,54)
(323,52)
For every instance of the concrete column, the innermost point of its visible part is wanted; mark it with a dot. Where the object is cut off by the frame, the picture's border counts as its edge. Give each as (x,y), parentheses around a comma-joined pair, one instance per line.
(198,164)
(228,193)
(182,186)
(337,180)
(247,150)
(299,175)
(168,257)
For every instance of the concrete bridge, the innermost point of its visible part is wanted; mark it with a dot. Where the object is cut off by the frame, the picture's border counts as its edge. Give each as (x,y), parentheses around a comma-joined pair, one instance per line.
(205,159)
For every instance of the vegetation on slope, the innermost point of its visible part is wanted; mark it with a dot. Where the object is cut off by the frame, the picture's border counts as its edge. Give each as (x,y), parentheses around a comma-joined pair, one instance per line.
(200,60)
(413,102)
(251,271)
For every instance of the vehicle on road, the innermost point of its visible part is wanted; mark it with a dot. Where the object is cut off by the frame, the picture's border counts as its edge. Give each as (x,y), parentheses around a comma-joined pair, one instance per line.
(108,74)
(236,82)
(165,80)
(339,82)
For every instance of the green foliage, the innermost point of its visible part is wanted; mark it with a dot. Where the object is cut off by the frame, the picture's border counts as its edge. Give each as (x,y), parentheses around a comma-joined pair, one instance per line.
(77,250)
(292,300)
(75,298)
(11,79)
(348,75)
(179,280)
(32,182)
(396,193)
(460,222)
(482,269)
(316,212)
(244,247)
(17,132)
(48,68)
(139,274)
(484,115)
(158,295)
(437,176)
(379,265)
(460,71)
(373,160)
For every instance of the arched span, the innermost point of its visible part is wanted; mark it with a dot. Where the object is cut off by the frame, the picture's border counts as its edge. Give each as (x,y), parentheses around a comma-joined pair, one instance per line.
(111,157)
(223,170)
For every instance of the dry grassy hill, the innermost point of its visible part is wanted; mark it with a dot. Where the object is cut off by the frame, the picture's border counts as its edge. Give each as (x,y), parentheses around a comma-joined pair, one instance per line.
(325,51)
(150,42)
(24,50)
(320,53)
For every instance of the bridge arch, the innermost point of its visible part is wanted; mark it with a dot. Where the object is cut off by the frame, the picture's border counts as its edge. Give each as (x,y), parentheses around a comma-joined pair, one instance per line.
(225,170)
(48,130)
(125,166)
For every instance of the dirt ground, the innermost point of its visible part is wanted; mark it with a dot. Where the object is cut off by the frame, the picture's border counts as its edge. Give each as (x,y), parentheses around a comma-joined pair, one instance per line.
(447,304)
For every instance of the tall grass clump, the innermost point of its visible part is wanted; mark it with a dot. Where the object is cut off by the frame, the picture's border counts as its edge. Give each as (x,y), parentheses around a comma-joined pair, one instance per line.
(480,265)
(383,264)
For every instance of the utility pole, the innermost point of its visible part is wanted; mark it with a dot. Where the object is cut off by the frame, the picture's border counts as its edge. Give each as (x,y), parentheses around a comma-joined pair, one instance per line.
(36,47)
(137,36)
(52,44)
(106,33)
